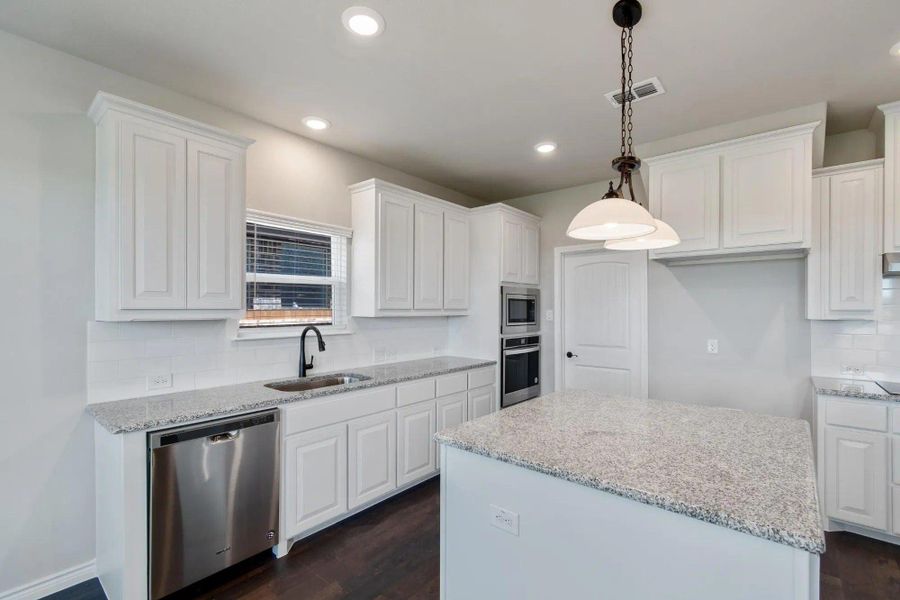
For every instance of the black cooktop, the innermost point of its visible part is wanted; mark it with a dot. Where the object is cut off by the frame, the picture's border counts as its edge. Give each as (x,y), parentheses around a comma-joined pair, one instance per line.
(890,387)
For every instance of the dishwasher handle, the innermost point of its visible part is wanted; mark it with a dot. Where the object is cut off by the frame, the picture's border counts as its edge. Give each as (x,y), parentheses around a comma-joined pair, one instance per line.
(228,436)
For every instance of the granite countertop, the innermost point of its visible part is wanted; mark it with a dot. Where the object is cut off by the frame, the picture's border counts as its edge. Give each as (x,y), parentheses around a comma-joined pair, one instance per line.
(851,388)
(748,472)
(152,412)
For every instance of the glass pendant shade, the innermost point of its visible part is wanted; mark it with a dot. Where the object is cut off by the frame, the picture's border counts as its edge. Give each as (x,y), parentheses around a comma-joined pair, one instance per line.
(611,219)
(663,237)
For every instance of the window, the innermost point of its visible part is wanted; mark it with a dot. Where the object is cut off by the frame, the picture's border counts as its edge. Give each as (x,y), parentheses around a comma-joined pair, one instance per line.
(296,273)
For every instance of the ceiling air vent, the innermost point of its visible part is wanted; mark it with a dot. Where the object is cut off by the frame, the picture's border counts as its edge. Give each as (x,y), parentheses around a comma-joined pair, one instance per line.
(639,91)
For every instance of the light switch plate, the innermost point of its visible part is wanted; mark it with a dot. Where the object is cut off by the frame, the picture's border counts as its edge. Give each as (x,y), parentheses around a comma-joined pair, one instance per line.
(504,519)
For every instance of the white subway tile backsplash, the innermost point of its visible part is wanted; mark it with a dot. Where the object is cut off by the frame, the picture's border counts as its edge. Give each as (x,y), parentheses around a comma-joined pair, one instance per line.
(202,354)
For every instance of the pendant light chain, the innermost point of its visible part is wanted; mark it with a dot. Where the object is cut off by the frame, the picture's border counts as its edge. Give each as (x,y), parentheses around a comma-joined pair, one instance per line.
(627,82)
(630,83)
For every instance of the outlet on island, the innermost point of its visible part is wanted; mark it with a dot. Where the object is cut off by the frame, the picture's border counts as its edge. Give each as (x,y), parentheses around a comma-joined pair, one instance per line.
(504,519)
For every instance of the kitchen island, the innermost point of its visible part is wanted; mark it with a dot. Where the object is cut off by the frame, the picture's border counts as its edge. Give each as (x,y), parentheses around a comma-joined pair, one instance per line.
(585,495)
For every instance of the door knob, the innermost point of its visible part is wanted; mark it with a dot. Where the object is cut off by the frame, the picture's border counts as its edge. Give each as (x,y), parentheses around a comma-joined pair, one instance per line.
(570,355)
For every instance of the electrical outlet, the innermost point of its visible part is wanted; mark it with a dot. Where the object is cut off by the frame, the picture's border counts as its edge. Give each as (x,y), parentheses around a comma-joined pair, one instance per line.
(548,315)
(712,346)
(158,382)
(852,370)
(504,519)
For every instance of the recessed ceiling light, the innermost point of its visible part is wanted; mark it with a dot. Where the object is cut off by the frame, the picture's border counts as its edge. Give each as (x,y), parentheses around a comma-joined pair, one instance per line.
(545,147)
(895,49)
(316,123)
(363,21)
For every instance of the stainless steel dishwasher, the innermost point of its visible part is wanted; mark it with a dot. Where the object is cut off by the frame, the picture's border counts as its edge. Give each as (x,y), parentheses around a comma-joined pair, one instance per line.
(213,497)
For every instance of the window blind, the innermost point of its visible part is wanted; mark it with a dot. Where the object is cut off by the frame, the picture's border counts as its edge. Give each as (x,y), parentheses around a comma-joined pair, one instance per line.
(296,275)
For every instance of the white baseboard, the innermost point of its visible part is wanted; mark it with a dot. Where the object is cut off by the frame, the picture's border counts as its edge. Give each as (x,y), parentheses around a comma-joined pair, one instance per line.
(52,583)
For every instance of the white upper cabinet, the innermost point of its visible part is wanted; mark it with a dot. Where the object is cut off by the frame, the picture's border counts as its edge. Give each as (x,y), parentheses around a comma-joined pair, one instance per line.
(428,279)
(169,215)
(745,196)
(456,261)
(891,176)
(685,194)
(410,253)
(519,249)
(844,264)
(395,251)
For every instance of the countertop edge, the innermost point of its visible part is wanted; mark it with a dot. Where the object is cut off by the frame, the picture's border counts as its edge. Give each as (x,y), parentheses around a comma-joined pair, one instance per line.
(773,534)
(114,427)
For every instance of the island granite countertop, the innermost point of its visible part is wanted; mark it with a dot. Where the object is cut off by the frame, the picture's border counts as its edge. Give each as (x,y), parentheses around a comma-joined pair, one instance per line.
(749,472)
(851,388)
(152,412)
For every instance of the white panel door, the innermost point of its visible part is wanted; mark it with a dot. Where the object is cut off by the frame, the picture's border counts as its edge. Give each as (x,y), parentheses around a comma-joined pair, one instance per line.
(372,457)
(415,447)
(395,252)
(853,244)
(451,410)
(315,477)
(456,261)
(856,474)
(482,402)
(531,251)
(154,210)
(511,243)
(604,322)
(765,193)
(892,181)
(685,194)
(215,226)
(428,278)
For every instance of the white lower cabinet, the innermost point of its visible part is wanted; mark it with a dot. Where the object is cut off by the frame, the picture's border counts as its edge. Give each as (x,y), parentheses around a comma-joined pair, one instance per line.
(372,458)
(856,476)
(415,446)
(315,477)
(481,402)
(346,451)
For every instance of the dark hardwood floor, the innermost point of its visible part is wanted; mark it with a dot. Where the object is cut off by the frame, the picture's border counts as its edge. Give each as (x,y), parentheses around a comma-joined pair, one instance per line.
(391,551)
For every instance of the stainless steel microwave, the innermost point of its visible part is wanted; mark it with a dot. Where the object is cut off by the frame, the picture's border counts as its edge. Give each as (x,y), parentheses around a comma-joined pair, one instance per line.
(520,310)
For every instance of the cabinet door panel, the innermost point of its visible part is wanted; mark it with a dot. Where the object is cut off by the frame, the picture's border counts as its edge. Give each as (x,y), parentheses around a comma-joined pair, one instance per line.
(481,402)
(531,249)
(315,477)
(511,243)
(395,272)
(451,410)
(153,204)
(853,241)
(428,278)
(415,447)
(765,193)
(892,182)
(856,485)
(215,226)
(372,454)
(685,194)
(456,261)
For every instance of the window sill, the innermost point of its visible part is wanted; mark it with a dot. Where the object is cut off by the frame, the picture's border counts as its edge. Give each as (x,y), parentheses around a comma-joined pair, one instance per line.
(247,334)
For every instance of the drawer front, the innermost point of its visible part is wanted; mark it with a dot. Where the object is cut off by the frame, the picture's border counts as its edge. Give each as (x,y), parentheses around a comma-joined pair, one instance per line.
(415,391)
(452,384)
(309,414)
(895,420)
(481,378)
(856,414)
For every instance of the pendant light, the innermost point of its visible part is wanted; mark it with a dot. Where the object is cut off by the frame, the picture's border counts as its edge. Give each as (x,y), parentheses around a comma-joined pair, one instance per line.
(614,217)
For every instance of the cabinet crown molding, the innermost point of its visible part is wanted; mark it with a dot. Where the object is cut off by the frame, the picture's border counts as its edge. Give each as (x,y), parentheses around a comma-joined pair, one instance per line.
(849,167)
(501,207)
(890,107)
(104,102)
(373,183)
(786,132)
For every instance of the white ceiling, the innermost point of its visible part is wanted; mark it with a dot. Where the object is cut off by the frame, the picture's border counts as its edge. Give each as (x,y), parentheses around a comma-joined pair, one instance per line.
(459,91)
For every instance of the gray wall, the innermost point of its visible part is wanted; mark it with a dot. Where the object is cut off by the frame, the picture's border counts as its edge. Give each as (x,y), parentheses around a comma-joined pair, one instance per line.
(47,209)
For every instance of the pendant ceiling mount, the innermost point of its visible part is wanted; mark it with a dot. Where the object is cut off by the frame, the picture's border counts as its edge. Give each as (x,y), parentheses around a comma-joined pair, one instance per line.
(615,217)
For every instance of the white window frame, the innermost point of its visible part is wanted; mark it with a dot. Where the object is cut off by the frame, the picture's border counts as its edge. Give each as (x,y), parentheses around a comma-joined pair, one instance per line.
(292,331)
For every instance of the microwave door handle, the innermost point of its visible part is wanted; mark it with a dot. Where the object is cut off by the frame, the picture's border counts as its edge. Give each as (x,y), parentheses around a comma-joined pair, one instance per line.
(522,350)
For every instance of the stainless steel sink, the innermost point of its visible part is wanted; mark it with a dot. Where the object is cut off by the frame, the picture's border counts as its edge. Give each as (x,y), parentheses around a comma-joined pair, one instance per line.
(313,383)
